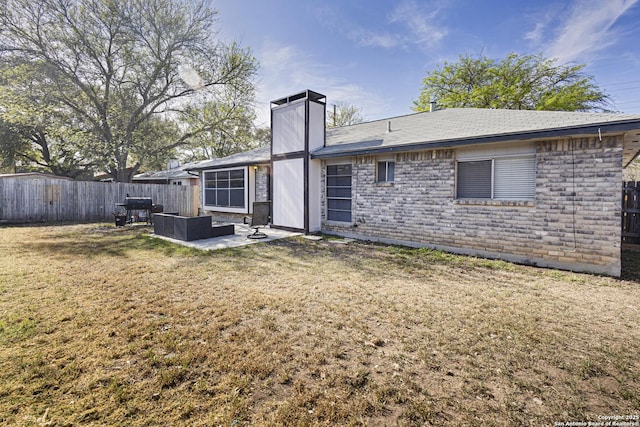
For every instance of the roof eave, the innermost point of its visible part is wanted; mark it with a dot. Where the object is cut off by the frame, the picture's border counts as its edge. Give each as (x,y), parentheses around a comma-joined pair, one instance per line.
(452,143)
(230,165)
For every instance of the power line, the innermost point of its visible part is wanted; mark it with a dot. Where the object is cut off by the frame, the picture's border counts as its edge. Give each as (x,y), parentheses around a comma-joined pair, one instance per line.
(625,89)
(621,83)
(634,101)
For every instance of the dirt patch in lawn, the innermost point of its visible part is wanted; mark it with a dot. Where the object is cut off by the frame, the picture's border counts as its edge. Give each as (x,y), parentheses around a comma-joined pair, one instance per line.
(117,328)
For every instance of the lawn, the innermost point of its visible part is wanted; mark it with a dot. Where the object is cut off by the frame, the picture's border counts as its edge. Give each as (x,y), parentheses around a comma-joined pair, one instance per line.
(107,326)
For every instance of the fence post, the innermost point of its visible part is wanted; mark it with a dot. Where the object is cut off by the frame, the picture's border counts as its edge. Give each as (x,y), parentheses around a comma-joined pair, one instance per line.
(630,212)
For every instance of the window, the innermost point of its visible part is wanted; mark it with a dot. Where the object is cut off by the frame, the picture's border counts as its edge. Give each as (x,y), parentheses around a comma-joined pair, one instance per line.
(506,178)
(339,193)
(385,171)
(474,179)
(225,189)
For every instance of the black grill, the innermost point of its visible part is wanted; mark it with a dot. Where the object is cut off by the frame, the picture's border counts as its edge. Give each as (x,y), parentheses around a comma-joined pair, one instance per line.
(137,203)
(139,209)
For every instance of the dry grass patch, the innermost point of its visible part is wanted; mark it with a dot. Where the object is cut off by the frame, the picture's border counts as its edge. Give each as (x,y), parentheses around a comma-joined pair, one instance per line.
(108,326)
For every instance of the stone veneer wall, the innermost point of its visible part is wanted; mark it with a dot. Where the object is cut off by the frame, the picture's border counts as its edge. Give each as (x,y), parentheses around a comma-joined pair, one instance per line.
(262,183)
(419,208)
(262,192)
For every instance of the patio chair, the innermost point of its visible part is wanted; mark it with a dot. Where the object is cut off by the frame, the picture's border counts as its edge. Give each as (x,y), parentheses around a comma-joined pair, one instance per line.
(260,218)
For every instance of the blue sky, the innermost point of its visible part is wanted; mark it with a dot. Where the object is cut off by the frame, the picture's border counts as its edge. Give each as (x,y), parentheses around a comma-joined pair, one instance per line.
(374,53)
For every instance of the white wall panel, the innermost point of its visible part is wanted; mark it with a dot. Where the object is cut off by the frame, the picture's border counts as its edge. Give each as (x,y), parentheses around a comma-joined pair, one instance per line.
(252,188)
(288,127)
(316,126)
(315,188)
(288,193)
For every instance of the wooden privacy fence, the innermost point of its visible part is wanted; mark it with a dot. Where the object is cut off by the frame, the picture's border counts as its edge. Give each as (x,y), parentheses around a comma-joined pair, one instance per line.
(631,212)
(53,200)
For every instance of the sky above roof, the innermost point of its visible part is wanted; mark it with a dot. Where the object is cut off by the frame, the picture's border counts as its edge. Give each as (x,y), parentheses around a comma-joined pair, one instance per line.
(374,54)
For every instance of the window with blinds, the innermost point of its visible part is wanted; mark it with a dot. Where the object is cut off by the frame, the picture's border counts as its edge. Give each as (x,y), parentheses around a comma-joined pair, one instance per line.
(339,193)
(514,178)
(474,180)
(500,178)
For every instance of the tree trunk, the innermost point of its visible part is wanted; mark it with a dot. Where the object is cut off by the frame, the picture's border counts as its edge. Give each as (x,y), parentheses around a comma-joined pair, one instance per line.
(122,174)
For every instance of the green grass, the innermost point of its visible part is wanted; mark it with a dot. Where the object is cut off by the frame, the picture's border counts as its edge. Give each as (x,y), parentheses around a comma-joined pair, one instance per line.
(108,326)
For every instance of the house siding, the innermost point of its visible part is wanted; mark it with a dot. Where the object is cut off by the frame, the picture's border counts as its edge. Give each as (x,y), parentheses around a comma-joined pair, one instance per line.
(419,208)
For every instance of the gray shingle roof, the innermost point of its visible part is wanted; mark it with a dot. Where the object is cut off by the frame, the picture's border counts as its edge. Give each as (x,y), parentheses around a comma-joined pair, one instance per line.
(257,156)
(177,173)
(459,126)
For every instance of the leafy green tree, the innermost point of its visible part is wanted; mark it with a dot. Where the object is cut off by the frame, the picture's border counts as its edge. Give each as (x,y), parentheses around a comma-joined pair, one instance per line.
(226,123)
(43,137)
(344,114)
(117,69)
(519,82)
(11,145)
(262,136)
(154,139)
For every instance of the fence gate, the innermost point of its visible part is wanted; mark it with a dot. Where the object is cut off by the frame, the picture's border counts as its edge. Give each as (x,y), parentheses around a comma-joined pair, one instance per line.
(631,212)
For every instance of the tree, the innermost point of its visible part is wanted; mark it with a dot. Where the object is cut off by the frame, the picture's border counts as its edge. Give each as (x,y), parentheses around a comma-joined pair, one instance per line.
(519,82)
(344,114)
(262,136)
(11,144)
(43,137)
(115,69)
(228,124)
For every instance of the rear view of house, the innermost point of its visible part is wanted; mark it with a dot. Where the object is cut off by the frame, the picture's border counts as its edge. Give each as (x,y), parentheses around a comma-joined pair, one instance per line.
(534,187)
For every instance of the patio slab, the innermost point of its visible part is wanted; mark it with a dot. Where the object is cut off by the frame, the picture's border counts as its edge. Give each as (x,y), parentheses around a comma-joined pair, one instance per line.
(232,241)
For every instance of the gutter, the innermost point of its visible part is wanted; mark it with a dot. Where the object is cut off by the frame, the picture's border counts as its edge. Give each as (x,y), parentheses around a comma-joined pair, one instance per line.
(342,150)
(229,165)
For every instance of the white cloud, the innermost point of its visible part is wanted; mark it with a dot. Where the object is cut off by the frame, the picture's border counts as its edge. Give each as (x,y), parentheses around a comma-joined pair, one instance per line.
(410,23)
(277,58)
(285,70)
(586,29)
(421,23)
(535,35)
(371,39)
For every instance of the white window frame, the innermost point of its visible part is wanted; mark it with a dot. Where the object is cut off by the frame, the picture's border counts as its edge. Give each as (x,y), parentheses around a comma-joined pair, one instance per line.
(242,210)
(527,197)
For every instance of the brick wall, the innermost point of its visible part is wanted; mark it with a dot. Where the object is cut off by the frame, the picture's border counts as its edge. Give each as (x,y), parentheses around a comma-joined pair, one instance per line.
(262,183)
(558,229)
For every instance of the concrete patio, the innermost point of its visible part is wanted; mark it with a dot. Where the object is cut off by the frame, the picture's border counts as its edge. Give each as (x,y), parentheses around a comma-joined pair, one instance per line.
(233,241)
